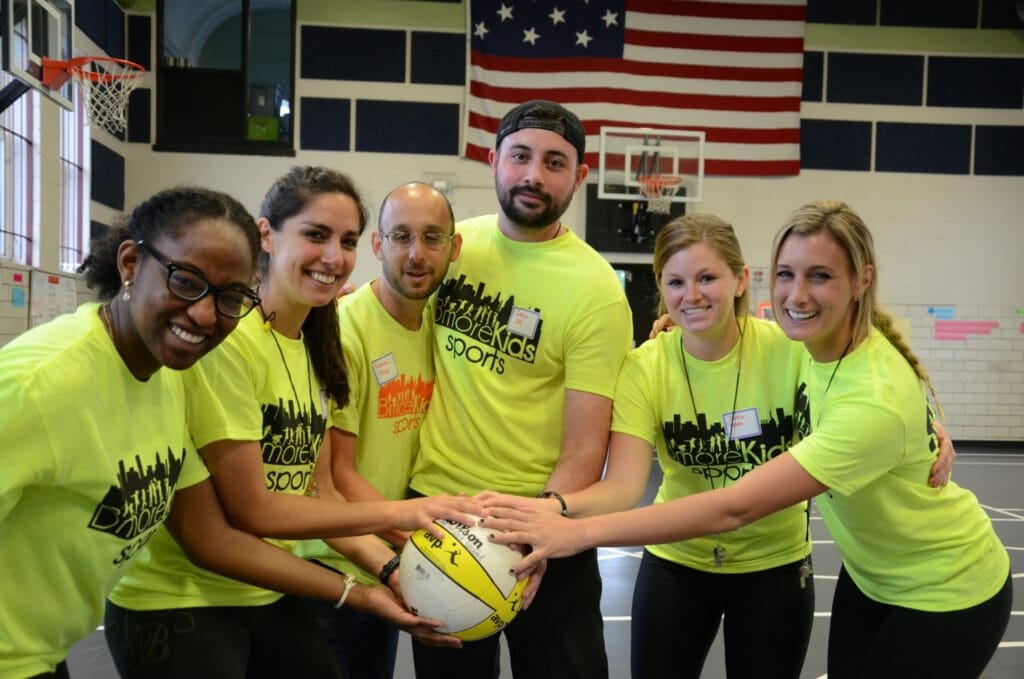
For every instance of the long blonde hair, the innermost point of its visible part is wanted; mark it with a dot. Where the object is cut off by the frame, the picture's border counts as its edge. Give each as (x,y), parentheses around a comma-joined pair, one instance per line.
(849,231)
(686,231)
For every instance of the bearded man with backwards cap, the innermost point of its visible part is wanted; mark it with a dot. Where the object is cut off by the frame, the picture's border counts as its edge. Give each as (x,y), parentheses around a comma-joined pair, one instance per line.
(531,327)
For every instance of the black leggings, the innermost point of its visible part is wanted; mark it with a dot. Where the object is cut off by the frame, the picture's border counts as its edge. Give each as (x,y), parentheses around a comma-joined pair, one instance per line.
(870,639)
(60,672)
(677,611)
(221,642)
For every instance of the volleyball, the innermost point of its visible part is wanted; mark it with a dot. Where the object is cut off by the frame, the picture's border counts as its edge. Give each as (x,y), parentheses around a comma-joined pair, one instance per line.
(463,580)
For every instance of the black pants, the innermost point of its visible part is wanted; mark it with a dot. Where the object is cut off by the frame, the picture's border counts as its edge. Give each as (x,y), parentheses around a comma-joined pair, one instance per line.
(872,640)
(59,672)
(219,642)
(677,612)
(560,635)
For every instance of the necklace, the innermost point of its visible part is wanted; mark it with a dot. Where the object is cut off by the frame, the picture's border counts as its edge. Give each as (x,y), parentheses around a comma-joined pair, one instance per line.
(828,385)
(108,322)
(806,569)
(311,490)
(718,552)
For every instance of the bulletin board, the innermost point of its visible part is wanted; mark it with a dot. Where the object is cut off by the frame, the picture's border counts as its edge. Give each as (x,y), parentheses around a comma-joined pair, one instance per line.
(50,295)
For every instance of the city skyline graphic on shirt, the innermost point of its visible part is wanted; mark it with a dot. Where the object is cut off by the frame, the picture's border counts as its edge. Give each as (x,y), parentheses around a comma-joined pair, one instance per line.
(290,444)
(706,450)
(404,395)
(469,310)
(140,500)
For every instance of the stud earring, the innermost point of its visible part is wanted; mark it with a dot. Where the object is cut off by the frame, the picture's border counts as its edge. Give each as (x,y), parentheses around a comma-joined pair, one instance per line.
(127,295)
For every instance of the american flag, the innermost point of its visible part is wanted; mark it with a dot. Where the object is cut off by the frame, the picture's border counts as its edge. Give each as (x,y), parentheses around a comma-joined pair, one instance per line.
(733,70)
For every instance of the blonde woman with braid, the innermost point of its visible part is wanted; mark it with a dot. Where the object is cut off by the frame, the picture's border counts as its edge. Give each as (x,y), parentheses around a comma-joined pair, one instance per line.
(923,568)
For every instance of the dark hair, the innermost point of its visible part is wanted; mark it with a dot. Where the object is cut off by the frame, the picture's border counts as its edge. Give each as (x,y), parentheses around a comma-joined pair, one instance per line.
(320,331)
(163,216)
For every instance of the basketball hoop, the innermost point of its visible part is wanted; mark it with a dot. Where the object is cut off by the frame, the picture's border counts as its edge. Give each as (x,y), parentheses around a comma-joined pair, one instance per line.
(105,82)
(659,189)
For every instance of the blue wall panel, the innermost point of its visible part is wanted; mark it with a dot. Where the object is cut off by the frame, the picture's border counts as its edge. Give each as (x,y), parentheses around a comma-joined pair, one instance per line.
(325,124)
(140,37)
(835,145)
(813,76)
(935,149)
(407,127)
(1000,14)
(352,54)
(114,44)
(107,176)
(139,107)
(858,12)
(438,58)
(999,150)
(930,13)
(976,82)
(875,79)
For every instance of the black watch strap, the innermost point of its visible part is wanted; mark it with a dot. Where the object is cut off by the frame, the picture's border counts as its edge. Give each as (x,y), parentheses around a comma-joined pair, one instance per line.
(389,568)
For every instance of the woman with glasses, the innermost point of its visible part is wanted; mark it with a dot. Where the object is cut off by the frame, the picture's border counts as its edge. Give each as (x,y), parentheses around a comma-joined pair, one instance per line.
(95,440)
(258,410)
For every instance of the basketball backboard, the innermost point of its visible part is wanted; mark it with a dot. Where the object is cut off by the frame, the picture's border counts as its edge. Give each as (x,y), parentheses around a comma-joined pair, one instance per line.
(628,154)
(33,29)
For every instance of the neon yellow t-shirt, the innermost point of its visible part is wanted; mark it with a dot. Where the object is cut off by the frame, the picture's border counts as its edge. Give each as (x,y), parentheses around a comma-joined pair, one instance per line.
(241,391)
(89,461)
(516,324)
(391,378)
(652,402)
(869,438)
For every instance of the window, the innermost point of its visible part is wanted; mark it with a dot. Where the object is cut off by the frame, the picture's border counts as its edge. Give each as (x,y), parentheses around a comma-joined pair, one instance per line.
(74,177)
(234,61)
(16,186)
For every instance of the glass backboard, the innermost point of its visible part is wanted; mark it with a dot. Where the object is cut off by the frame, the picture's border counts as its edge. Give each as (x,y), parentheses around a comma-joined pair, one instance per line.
(33,29)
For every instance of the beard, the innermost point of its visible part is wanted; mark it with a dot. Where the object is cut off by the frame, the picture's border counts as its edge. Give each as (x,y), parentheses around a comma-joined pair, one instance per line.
(535,218)
(395,281)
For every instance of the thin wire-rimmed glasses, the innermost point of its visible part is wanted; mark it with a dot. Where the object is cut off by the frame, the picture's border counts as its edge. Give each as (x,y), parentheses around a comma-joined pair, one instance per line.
(187,284)
(403,240)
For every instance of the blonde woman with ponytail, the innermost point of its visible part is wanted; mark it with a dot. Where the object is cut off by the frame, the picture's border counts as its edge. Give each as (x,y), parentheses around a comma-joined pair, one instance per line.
(923,568)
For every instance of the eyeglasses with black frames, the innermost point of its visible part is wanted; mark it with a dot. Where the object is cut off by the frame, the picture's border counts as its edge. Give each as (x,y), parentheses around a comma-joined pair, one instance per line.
(403,240)
(188,284)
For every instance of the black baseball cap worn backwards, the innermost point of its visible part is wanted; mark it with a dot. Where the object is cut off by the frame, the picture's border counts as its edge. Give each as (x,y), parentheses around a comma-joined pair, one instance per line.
(544,115)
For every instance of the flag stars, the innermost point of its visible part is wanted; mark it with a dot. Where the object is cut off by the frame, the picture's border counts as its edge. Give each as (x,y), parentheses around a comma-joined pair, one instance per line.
(557,16)
(610,19)
(505,12)
(480,30)
(531,36)
(582,38)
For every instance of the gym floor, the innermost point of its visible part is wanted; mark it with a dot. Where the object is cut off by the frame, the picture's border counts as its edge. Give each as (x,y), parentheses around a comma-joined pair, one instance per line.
(995,476)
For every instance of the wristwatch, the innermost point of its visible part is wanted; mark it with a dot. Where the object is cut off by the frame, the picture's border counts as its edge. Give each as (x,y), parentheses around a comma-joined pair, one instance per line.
(389,568)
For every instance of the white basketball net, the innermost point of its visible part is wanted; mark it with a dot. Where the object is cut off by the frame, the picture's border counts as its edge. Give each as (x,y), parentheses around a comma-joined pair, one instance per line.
(659,189)
(106,88)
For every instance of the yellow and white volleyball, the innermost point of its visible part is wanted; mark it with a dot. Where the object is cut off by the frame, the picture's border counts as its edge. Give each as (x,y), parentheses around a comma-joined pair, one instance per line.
(463,580)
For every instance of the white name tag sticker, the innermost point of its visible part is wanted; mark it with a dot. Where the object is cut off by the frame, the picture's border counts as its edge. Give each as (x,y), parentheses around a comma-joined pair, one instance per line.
(523,322)
(385,369)
(742,424)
